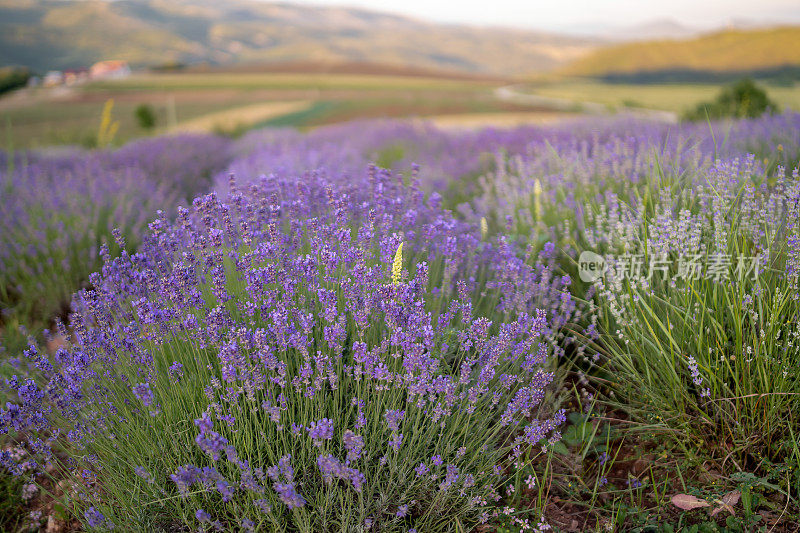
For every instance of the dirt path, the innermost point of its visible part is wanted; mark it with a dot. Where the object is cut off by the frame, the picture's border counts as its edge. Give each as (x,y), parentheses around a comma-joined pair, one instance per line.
(510,93)
(503,119)
(241,116)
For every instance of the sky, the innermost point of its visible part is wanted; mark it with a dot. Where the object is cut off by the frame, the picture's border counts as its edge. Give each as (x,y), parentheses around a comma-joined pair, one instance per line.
(584,16)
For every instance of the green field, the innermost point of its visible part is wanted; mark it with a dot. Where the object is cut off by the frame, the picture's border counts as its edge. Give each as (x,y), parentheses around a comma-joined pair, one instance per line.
(75,122)
(71,115)
(233,102)
(667,97)
(280,80)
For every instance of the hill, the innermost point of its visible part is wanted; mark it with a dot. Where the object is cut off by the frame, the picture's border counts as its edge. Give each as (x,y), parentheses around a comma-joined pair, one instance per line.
(774,51)
(647,31)
(47,34)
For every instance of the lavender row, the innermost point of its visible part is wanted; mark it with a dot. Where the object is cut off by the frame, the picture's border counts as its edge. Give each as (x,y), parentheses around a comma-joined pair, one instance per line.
(59,208)
(376,366)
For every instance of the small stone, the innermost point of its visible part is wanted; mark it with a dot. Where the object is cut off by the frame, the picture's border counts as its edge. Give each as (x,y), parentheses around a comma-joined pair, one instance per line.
(53,525)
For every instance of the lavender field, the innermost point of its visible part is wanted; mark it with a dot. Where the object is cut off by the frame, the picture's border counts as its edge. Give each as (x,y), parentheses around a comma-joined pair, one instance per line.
(381,325)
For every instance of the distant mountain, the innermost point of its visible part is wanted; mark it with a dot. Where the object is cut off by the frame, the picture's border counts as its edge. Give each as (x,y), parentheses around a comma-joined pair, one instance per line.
(58,34)
(758,51)
(654,29)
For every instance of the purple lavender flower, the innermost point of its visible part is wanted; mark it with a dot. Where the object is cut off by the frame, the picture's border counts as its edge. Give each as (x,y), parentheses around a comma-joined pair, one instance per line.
(354,444)
(96,519)
(144,474)
(320,431)
(451,476)
(225,490)
(695,372)
(331,468)
(212,443)
(288,494)
(263,505)
(396,441)
(282,476)
(697,379)
(143,392)
(176,371)
(634,483)
(185,477)
(393,418)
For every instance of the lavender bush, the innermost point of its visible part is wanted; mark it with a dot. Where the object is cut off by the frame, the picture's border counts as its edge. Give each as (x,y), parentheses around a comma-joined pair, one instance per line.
(704,331)
(186,163)
(57,214)
(703,358)
(545,188)
(266,364)
(59,208)
(452,160)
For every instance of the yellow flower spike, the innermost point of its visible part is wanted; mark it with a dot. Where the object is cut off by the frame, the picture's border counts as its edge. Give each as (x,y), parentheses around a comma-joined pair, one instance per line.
(537,195)
(108,127)
(397,265)
(484,227)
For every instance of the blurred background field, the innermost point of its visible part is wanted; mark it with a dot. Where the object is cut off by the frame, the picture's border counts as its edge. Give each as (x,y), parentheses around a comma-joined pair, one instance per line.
(676,97)
(231,103)
(228,68)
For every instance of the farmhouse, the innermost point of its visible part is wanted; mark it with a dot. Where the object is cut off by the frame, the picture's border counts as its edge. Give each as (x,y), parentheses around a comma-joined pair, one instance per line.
(110,69)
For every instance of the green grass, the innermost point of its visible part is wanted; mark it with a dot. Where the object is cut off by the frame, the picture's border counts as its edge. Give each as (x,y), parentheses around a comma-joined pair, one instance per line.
(334,111)
(311,81)
(11,504)
(667,97)
(317,111)
(600,456)
(57,123)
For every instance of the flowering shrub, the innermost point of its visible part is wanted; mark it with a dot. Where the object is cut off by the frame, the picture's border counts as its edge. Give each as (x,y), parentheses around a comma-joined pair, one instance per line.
(58,209)
(267,364)
(706,330)
(186,163)
(55,215)
(451,159)
(708,358)
(546,188)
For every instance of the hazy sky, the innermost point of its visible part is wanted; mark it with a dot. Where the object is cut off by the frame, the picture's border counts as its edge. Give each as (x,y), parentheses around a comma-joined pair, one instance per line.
(584,15)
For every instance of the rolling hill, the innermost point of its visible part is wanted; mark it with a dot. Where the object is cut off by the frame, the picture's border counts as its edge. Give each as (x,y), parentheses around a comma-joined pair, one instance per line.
(47,34)
(739,52)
